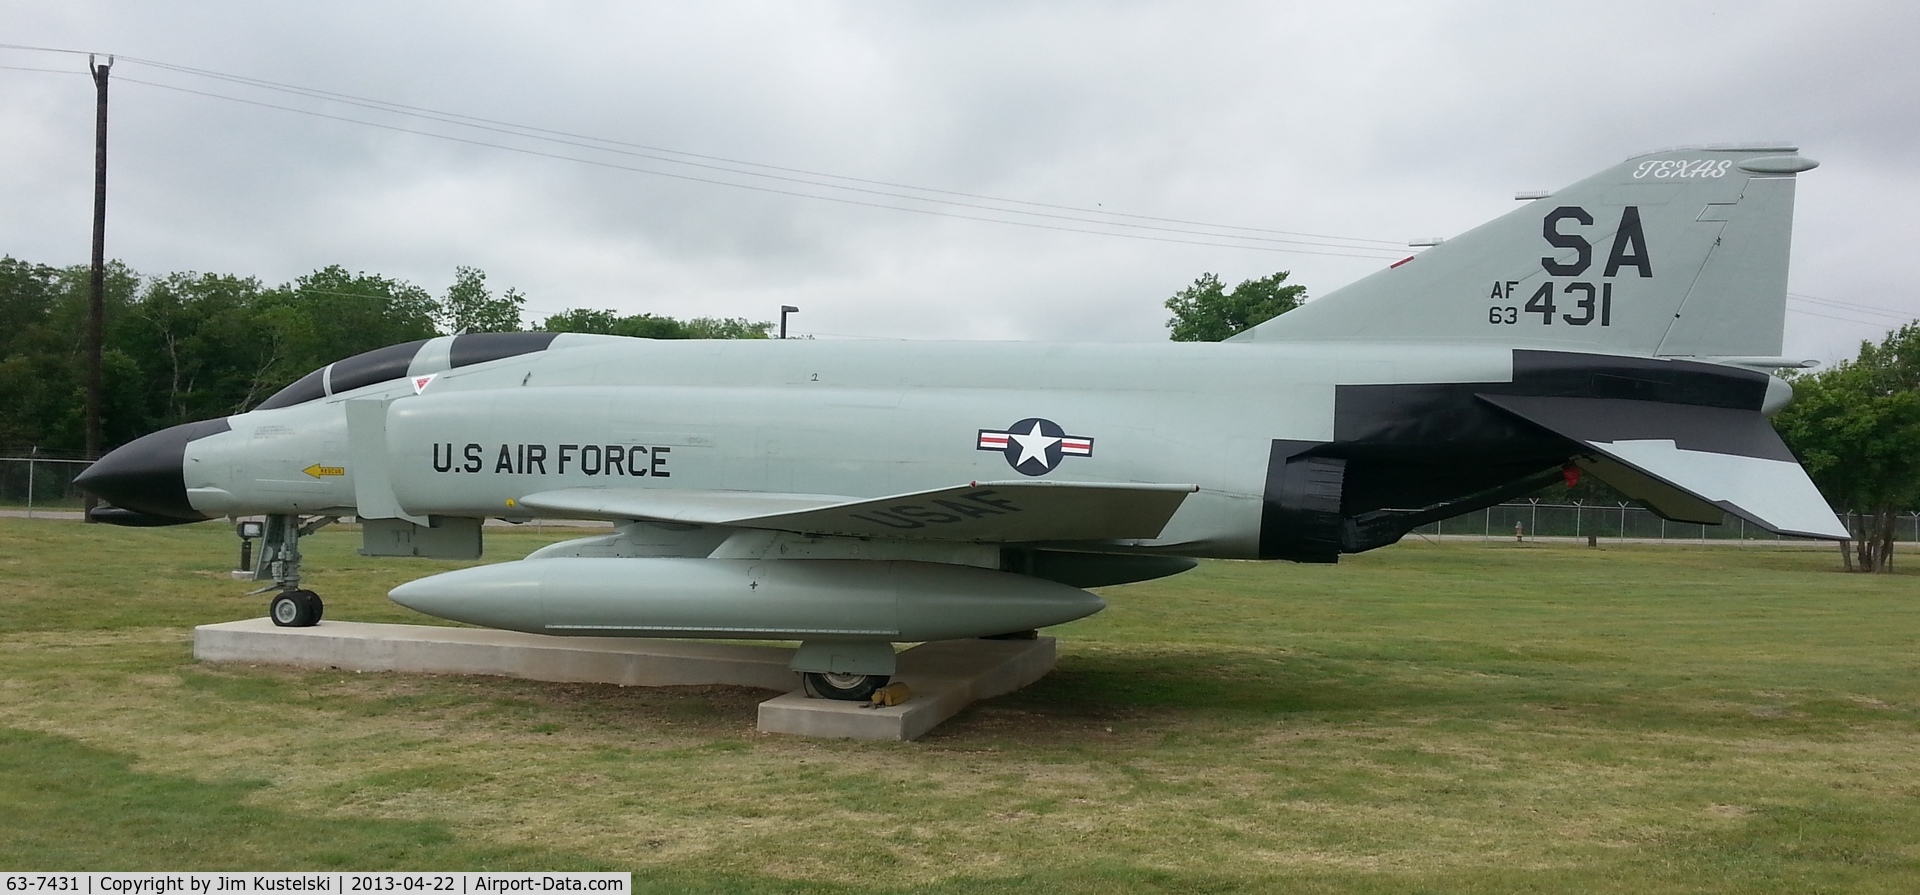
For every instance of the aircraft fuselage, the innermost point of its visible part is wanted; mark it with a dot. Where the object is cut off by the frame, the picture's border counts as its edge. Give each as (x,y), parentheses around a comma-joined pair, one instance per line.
(871,419)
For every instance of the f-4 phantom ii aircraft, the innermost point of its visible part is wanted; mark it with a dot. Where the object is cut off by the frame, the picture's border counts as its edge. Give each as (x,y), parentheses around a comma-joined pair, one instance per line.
(854,495)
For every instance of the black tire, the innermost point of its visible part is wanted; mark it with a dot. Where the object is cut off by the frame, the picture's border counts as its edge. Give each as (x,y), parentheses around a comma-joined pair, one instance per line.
(849,687)
(296,609)
(1029,634)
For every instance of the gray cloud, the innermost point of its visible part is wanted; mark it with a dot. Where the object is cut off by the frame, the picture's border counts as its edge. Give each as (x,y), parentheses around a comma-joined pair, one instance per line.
(1386,121)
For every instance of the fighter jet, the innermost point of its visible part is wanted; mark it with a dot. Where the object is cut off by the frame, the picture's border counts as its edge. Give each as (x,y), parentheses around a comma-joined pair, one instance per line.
(852,495)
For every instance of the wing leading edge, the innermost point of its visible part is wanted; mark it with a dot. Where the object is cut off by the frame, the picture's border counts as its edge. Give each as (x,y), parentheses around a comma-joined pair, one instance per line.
(1686,461)
(995,512)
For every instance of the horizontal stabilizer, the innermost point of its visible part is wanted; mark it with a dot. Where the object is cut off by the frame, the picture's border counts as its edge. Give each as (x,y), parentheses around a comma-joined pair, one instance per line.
(1724,457)
(1664,500)
(990,512)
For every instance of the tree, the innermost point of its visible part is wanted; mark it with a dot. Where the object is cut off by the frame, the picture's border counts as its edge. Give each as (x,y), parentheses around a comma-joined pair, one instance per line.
(1856,428)
(1206,312)
(649,326)
(330,314)
(197,343)
(190,346)
(471,308)
(728,328)
(43,319)
(34,362)
(581,320)
(606,323)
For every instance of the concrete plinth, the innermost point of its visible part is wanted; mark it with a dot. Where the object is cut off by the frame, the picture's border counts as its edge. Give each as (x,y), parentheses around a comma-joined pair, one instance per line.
(944,676)
(359,646)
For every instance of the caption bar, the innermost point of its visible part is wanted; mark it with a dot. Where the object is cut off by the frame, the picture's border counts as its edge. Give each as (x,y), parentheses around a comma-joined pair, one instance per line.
(322,883)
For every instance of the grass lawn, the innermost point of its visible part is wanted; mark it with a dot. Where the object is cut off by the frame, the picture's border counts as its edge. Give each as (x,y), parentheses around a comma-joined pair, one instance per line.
(1462,717)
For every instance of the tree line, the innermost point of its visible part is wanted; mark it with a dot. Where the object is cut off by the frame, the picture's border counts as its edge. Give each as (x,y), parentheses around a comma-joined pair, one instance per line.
(188,346)
(1855,426)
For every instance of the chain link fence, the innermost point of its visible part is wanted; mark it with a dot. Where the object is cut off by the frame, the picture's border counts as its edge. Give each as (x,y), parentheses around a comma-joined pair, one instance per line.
(40,484)
(1614,522)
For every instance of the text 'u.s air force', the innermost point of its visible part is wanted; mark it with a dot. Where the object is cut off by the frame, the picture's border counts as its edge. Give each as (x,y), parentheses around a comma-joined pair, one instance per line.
(620,460)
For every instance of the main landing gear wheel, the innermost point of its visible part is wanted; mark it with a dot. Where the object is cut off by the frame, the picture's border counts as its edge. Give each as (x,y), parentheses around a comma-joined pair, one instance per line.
(296,609)
(850,687)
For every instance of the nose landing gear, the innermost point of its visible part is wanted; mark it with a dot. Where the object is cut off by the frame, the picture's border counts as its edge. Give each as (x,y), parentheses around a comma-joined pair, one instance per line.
(293,606)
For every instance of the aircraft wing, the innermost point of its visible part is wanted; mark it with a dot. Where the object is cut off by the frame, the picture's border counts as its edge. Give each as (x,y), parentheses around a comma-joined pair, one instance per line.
(691,506)
(1683,460)
(998,512)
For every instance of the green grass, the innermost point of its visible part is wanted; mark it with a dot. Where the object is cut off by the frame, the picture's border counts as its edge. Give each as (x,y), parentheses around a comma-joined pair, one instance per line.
(1455,718)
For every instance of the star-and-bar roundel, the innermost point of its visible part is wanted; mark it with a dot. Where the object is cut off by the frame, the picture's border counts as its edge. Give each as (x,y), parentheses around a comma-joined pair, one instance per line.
(1034,446)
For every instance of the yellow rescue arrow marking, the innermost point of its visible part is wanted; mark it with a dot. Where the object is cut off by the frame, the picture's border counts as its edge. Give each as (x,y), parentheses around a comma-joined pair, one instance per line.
(316,470)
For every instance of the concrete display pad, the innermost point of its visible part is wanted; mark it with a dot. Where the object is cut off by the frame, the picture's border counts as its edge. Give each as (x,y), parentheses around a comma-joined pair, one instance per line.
(944,676)
(360,646)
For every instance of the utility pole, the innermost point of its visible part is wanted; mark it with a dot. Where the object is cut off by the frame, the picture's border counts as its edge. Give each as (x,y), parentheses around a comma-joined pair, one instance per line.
(784,311)
(97,297)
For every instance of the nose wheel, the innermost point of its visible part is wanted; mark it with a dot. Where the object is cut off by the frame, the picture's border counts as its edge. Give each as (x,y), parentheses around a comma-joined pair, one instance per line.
(293,606)
(296,609)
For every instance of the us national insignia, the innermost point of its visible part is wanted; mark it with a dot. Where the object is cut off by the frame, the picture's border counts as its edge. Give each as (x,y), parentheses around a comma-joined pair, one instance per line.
(1034,446)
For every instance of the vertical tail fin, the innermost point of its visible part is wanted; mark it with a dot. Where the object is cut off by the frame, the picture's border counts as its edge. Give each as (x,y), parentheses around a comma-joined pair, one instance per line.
(1676,253)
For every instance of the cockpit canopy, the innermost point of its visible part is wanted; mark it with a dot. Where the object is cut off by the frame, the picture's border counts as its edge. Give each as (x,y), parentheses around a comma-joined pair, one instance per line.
(393,362)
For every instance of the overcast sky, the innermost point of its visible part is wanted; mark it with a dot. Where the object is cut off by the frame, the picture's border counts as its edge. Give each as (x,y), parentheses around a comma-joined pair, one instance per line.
(1373,123)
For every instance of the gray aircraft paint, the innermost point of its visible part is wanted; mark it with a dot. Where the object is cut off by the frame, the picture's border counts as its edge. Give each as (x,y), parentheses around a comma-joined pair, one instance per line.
(881,419)
(1615,326)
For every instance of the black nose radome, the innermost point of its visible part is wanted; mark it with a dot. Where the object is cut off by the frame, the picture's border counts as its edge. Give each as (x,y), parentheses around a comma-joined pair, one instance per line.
(145,475)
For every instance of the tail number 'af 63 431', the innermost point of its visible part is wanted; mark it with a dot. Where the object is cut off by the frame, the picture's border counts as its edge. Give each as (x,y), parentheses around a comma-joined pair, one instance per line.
(1593,304)
(1579,302)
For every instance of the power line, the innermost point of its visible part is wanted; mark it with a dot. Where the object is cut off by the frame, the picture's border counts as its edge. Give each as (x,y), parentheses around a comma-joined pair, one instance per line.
(746,186)
(733,166)
(532,132)
(56,71)
(51,50)
(1852,320)
(1852,307)
(794,180)
(627,148)
(1346,246)
(1847,312)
